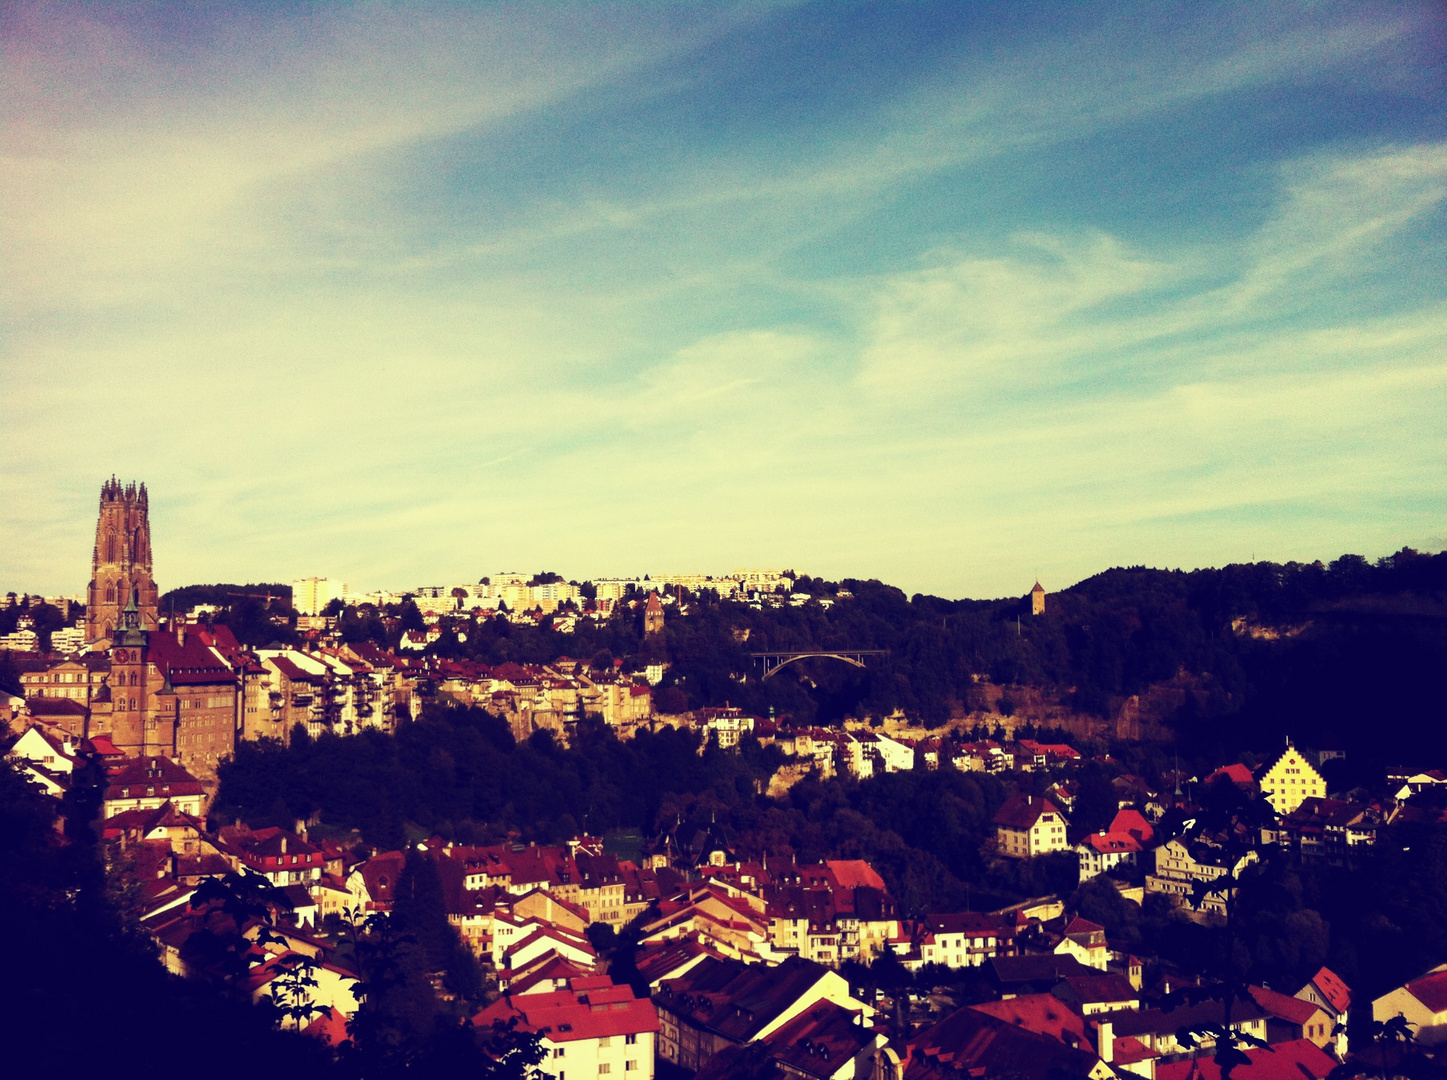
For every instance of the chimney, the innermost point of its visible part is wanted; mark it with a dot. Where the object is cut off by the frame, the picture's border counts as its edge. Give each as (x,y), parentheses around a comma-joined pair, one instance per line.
(1105,1040)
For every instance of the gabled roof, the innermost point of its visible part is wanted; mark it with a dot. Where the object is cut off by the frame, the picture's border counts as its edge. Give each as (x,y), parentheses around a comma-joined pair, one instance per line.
(1023,811)
(547,973)
(1238,774)
(1431,991)
(820,1040)
(1329,985)
(380,874)
(670,958)
(738,1000)
(971,1043)
(1010,972)
(578,1013)
(1134,823)
(1291,1009)
(1095,989)
(1043,1014)
(1112,843)
(132,778)
(1300,1059)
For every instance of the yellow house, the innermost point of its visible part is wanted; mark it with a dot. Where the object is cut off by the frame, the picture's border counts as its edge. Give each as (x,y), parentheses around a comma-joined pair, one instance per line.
(1290,781)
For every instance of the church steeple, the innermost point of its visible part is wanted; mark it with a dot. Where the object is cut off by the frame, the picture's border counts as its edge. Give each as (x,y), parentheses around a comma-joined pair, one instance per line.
(131,631)
(121,562)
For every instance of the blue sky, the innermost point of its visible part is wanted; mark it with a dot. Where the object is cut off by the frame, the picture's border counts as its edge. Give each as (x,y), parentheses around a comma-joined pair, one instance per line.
(954,295)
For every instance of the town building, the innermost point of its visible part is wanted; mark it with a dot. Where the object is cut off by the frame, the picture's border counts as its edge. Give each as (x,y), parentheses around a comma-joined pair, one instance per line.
(1027,826)
(718,1004)
(589,1030)
(1290,781)
(1422,1003)
(310,596)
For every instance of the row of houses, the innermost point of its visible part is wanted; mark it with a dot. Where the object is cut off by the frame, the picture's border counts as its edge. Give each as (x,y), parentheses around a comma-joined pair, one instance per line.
(738,957)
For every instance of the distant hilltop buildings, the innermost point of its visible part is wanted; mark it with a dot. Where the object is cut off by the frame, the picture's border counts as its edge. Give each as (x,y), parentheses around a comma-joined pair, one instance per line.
(523,592)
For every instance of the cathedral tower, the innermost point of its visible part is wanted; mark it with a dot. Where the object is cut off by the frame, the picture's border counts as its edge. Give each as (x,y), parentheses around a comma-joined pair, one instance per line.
(121,562)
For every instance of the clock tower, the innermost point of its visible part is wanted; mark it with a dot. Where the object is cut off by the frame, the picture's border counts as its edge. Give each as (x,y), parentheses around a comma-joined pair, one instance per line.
(129,693)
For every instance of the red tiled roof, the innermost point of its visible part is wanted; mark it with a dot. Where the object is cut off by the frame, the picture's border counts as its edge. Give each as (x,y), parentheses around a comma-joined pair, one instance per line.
(820,1040)
(1300,1059)
(1134,823)
(853,873)
(132,778)
(1023,811)
(574,1014)
(1284,1007)
(102,745)
(1043,1014)
(1330,986)
(971,1043)
(1431,991)
(1238,774)
(1113,843)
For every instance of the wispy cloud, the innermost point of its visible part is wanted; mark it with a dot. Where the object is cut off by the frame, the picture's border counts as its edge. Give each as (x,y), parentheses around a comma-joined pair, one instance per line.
(400,293)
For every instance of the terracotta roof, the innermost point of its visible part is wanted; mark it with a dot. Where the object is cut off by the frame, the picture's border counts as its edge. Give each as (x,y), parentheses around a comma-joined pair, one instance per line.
(1043,1014)
(971,1043)
(974,923)
(820,1040)
(547,973)
(1093,989)
(1134,823)
(102,745)
(1112,843)
(1330,986)
(1011,972)
(132,778)
(852,873)
(1238,774)
(1431,991)
(561,1016)
(738,1000)
(1283,1006)
(1023,811)
(380,874)
(1300,1059)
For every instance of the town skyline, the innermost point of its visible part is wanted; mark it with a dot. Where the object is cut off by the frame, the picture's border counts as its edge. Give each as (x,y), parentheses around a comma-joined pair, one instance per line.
(953,296)
(359,590)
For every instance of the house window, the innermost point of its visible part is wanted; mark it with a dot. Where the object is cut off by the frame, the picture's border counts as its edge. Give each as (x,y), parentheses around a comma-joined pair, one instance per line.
(630,1039)
(629,1066)
(558,1051)
(602,1041)
(604,1067)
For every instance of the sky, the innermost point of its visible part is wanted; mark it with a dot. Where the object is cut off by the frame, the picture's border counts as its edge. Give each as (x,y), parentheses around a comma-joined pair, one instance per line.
(958,296)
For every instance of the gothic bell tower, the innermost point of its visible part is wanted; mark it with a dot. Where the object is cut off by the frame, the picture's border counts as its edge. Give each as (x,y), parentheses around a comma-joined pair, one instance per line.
(121,562)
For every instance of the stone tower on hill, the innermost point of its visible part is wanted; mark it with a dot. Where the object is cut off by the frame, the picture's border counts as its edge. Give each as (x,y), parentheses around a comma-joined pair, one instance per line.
(121,562)
(1037,600)
(653,615)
